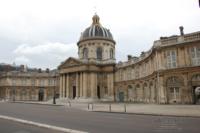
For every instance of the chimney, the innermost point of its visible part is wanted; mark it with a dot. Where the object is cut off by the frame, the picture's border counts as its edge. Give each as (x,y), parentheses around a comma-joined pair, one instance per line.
(39,70)
(181,30)
(129,57)
(47,70)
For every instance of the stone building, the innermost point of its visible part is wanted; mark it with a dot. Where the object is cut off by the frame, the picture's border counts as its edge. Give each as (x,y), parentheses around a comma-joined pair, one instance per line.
(168,73)
(28,85)
(91,76)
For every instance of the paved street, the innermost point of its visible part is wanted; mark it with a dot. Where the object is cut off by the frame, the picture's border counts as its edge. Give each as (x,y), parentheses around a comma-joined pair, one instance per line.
(96,122)
(7,126)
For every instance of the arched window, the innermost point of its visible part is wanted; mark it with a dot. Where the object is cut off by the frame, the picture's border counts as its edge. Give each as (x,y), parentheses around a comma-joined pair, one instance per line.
(99,53)
(85,53)
(111,54)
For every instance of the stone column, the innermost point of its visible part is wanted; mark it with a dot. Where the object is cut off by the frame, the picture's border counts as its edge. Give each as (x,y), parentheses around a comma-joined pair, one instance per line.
(81,84)
(84,84)
(93,85)
(63,84)
(161,89)
(77,85)
(68,86)
(110,85)
(60,86)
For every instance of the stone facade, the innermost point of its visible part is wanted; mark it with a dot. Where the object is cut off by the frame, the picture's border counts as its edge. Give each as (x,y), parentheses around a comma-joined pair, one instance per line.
(28,86)
(91,77)
(168,73)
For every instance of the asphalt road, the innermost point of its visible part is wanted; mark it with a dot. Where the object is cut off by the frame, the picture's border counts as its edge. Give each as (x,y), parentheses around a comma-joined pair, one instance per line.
(7,126)
(96,122)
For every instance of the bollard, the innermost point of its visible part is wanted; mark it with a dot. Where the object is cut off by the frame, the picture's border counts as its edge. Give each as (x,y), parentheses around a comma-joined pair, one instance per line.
(92,106)
(69,103)
(125,108)
(110,107)
(88,106)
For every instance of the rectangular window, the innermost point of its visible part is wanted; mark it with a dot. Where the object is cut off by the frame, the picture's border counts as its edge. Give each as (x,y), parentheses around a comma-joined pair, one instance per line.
(33,82)
(195,56)
(171,59)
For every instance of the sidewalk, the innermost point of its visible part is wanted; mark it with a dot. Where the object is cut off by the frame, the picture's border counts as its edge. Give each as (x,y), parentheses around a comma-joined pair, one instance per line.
(143,109)
(149,109)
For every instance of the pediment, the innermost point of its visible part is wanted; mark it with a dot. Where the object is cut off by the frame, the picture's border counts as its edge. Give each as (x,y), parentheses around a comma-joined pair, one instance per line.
(70,62)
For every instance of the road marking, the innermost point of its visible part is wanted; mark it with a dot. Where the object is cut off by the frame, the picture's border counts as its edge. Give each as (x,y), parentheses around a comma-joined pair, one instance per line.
(66,130)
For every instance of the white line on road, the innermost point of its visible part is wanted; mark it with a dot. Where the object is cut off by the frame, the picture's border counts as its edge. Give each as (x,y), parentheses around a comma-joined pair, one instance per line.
(67,130)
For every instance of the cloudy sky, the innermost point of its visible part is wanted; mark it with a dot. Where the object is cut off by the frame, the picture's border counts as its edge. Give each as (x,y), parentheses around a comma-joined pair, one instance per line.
(42,33)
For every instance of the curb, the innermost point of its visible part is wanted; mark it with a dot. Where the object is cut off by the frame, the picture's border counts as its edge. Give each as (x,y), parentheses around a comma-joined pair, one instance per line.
(38,103)
(62,129)
(151,114)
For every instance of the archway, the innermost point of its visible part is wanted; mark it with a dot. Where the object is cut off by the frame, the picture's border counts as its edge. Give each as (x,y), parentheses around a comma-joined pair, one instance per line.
(121,96)
(174,85)
(41,94)
(130,93)
(196,88)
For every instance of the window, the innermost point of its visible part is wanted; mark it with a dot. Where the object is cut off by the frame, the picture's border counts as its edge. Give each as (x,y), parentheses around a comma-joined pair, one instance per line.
(174,93)
(42,82)
(171,59)
(33,82)
(85,53)
(23,81)
(195,56)
(111,54)
(99,53)
(13,82)
(129,73)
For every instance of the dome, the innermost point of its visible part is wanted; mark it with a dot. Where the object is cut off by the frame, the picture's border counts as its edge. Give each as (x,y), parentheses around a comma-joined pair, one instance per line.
(96,31)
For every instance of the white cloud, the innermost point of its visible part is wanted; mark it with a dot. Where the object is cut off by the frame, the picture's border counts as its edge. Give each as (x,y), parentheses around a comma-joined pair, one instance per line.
(57,48)
(22,60)
(47,55)
(135,24)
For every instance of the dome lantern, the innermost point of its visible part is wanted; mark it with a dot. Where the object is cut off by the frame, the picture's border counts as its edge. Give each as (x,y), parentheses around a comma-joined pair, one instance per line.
(96,30)
(95,19)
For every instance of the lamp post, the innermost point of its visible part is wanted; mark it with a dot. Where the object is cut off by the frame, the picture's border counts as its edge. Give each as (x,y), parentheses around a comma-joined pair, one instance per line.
(13,94)
(13,89)
(54,91)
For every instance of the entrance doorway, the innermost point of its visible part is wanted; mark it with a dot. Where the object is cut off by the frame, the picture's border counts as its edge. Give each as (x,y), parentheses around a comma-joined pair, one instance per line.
(121,96)
(74,92)
(196,93)
(98,92)
(41,94)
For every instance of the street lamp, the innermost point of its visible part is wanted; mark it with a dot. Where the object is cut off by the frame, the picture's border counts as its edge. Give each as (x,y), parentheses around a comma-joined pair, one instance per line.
(54,93)
(13,89)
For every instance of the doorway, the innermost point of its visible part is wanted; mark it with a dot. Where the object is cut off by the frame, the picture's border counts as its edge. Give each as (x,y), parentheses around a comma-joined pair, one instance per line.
(196,94)
(121,96)
(98,92)
(74,92)
(41,94)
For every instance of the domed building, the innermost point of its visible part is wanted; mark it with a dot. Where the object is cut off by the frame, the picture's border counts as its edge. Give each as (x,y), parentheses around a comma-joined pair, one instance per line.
(168,73)
(90,77)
